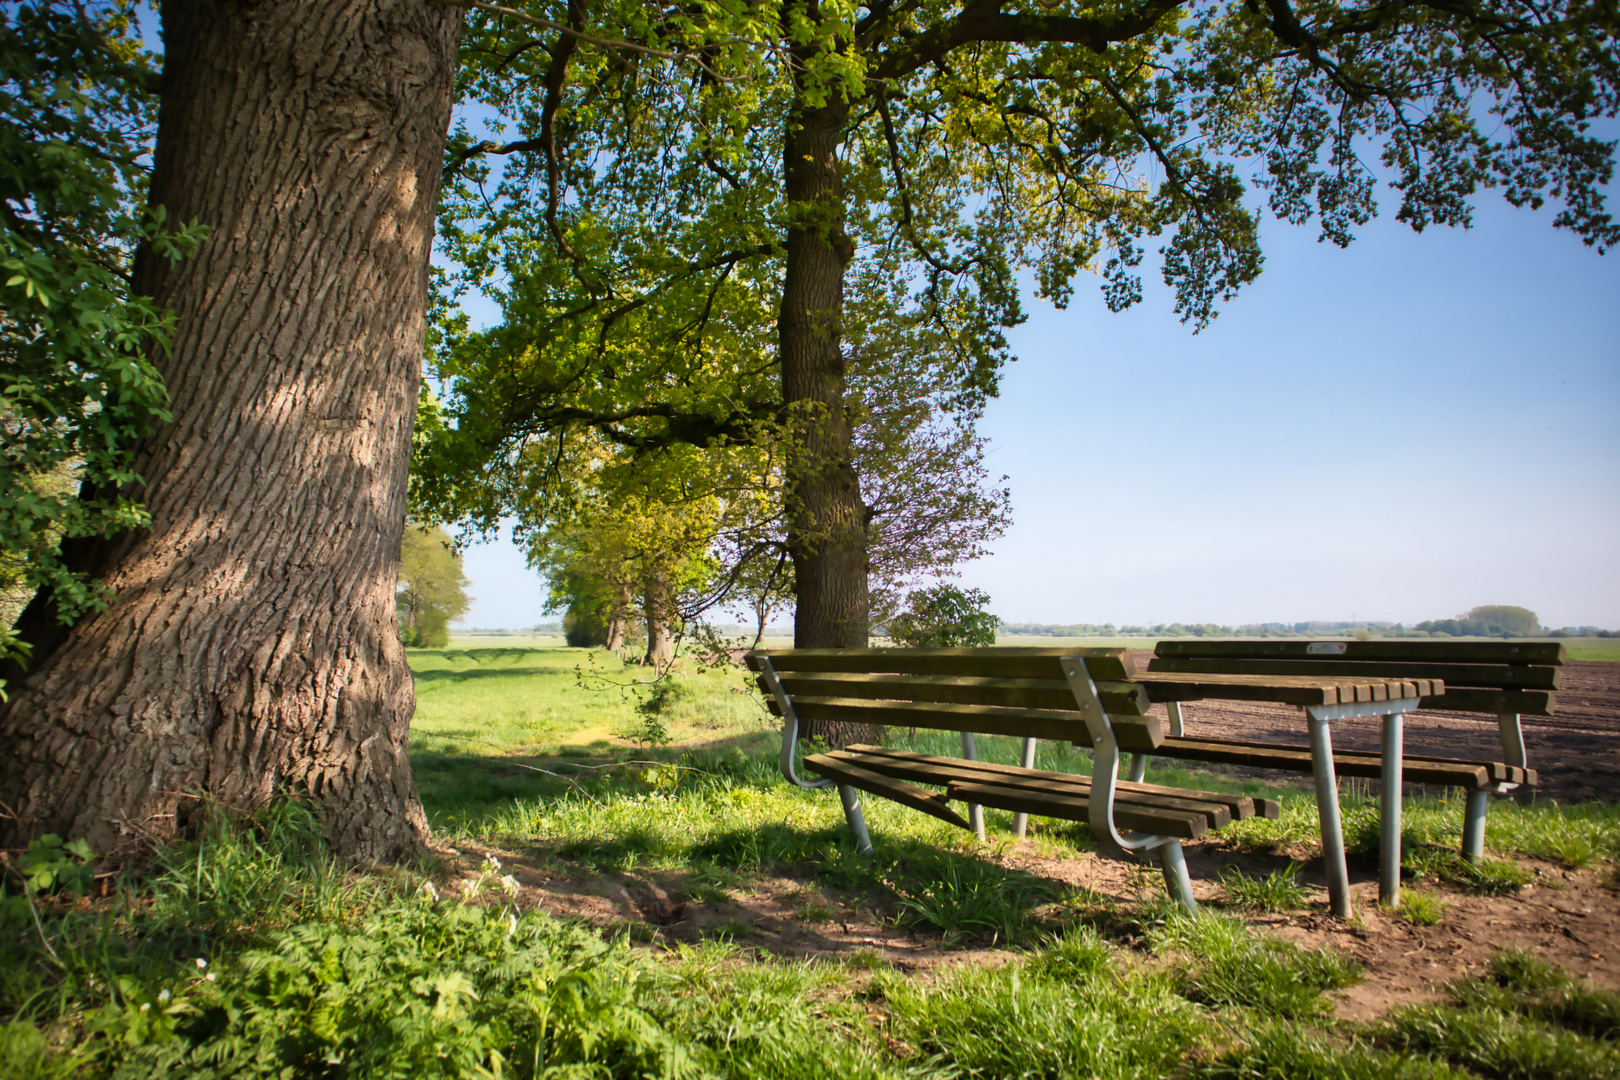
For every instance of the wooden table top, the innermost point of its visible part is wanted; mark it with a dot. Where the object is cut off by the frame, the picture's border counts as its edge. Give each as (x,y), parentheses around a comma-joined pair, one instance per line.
(1285,689)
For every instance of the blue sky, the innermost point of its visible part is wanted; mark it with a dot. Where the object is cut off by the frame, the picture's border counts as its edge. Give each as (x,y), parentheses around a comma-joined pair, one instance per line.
(1400,430)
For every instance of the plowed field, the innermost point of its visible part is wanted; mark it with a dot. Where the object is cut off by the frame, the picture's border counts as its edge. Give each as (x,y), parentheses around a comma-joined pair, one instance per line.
(1576,750)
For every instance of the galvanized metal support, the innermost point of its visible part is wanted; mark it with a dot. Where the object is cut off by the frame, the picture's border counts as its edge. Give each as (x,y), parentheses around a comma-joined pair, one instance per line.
(851,799)
(1138,768)
(1327,811)
(1176,880)
(1473,839)
(970,751)
(1026,760)
(1389,816)
(1172,710)
(1512,739)
(1104,761)
(790,728)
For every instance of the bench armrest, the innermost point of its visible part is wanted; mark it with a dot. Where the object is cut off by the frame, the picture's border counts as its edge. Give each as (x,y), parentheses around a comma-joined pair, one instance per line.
(790,726)
(1104,762)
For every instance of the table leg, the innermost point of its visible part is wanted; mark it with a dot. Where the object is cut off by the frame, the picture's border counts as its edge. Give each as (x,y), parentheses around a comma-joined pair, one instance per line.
(1327,809)
(1389,820)
(970,751)
(1026,760)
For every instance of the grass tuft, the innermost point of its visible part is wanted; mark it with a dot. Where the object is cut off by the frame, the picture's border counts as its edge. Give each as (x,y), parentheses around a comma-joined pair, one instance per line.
(1278,891)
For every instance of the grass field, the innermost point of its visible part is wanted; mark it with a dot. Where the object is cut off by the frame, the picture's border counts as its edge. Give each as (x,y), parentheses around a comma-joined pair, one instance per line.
(246,952)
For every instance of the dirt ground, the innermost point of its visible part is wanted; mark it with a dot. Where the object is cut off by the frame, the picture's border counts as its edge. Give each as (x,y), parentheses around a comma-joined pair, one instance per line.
(1568,917)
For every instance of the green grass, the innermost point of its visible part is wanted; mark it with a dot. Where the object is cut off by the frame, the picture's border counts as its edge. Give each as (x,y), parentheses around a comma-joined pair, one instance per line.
(1592,648)
(1279,890)
(309,969)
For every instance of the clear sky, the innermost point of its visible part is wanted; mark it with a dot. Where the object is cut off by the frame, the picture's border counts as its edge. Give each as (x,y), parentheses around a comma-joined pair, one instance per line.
(1401,430)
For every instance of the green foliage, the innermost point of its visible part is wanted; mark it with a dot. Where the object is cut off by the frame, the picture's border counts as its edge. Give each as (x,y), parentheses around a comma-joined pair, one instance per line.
(1232,966)
(1522,983)
(1497,1044)
(1280,1051)
(943,616)
(432,590)
(77,386)
(1420,908)
(1279,890)
(958,896)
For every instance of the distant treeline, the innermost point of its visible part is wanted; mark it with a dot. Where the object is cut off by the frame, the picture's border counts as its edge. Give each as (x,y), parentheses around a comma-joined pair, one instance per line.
(1439,628)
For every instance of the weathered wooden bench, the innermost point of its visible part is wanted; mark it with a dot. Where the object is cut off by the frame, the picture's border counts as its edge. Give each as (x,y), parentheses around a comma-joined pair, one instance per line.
(1083,696)
(1509,679)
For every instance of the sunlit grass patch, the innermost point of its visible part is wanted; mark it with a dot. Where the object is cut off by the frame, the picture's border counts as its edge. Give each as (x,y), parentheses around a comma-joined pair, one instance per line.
(1276,1051)
(1233,966)
(1522,983)
(1420,908)
(1497,1044)
(1279,890)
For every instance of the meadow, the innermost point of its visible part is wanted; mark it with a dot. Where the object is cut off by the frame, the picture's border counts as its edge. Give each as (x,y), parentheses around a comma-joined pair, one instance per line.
(623,887)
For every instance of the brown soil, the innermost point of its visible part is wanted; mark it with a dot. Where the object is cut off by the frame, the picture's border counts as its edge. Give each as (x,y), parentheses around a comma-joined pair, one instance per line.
(1568,917)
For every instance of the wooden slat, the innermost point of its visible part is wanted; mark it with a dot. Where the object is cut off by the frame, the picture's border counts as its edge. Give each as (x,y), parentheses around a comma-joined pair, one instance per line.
(1416,770)
(1114,665)
(1139,734)
(1541,677)
(958,771)
(1483,652)
(847,772)
(1118,698)
(1186,826)
(1469,699)
(1239,807)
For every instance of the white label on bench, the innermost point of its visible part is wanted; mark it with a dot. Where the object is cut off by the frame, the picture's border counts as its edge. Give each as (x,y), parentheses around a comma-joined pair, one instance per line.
(1325,648)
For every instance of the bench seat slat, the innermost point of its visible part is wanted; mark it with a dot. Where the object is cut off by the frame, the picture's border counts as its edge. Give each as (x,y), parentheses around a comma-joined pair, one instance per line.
(1119,698)
(1020,799)
(1470,699)
(1526,676)
(1236,807)
(1499,772)
(960,772)
(844,771)
(1417,770)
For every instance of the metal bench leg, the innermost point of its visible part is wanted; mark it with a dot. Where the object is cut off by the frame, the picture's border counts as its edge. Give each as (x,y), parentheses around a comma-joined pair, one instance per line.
(1389,818)
(1512,739)
(1176,880)
(1473,841)
(1026,760)
(1138,768)
(851,798)
(970,750)
(1327,810)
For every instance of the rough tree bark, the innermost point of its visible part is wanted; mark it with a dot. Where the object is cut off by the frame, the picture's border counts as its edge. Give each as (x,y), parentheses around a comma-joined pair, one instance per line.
(658,607)
(827,519)
(251,647)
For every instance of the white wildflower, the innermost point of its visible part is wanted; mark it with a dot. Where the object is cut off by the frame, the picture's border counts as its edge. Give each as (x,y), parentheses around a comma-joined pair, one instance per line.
(210,976)
(429,891)
(509,883)
(492,862)
(469,886)
(511,924)
(145,1005)
(163,995)
(201,963)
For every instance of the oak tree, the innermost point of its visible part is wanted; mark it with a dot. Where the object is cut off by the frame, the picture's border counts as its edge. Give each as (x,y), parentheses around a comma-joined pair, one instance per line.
(249,647)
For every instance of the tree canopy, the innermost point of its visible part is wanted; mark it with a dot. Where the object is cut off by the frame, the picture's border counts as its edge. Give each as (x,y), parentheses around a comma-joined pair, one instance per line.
(692,213)
(432,591)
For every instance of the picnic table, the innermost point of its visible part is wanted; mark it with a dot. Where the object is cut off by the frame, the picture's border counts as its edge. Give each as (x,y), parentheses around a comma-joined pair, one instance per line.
(1506,679)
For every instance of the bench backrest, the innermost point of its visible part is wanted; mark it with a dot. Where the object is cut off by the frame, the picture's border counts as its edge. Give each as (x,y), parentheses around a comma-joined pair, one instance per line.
(1480,676)
(993,691)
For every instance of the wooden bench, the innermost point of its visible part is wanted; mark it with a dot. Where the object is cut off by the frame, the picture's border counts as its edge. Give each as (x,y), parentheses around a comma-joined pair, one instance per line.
(1509,679)
(1083,696)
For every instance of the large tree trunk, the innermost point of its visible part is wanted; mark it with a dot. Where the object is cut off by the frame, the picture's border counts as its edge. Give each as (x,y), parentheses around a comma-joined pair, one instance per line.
(250,648)
(827,519)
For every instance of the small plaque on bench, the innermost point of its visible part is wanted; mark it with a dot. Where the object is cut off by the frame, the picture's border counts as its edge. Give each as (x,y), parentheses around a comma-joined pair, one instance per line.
(1325,648)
